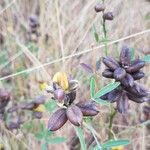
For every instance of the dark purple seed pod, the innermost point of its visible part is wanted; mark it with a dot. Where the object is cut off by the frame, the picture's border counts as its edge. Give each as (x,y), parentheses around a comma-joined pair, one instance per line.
(104,97)
(99,7)
(37,115)
(122,103)
(57,120)
(114,95)
(107,73)
(135,66)
(108,16)
(136,99)
(88,108)
(74,115)
(128,81)
(138,75)
(40,99)
(125,56)
(13,125)
(138,90)
(111,63)
(59,95)
(119,73)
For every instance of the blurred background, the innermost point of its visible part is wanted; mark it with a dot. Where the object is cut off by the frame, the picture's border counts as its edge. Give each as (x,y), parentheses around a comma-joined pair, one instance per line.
(59,34)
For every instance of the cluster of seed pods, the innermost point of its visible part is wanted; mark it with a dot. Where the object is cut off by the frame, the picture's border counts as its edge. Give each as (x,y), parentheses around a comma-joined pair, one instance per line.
(64,92)
(126,71)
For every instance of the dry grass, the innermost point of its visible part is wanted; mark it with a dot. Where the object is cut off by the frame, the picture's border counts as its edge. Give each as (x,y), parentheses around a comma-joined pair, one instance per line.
(68,26)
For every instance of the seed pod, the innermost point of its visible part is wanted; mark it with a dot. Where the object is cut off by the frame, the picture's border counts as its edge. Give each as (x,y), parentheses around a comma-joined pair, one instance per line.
(38,115)
(114,95)
(125,56)
(74,115)
(108,16)
(135,66)
(135,98)
(107,73)
(88,108)
(122,103)
(57,120)
(138,75)
(39,99)
(59,95)
(119,73)
(111,63)
(138,90)
(128,81)
(99,7)
(13,125)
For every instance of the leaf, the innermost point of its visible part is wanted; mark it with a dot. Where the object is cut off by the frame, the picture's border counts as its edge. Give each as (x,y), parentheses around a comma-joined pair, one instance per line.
(106,89)
(132,53)
(56,140)
(96,36)
(114,143)
(79,132)
(147,58)
(87,67)
(40,135)
(92,86)
(100,101)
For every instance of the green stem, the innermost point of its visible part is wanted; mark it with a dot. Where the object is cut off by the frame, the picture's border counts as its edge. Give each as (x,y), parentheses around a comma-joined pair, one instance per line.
(112,115)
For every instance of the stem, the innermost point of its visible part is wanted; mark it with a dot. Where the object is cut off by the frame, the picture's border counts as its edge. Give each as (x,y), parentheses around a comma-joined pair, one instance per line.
(112,115)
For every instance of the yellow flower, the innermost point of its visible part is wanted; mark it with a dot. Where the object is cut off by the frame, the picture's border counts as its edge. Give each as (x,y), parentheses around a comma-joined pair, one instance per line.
(61,79)
(40,108)
(43,86)
(117,148)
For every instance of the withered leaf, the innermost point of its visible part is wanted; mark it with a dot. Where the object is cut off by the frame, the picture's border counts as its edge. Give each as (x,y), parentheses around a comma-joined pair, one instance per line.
(87,67)
(128,81)
(138,75)
(88,108)
(57,120)
(119,73)
(125,56)
(122,103)
(135,66)
(111,63)
(107,73)
(74,115)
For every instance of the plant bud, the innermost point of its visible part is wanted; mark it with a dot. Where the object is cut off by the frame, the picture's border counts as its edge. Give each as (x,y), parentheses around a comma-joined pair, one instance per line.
(128,81)
(111,63)
(107,73)
(59,95)
(122,103)
(125,56)
(99,7)
(57,120)
(74,115)
(108,16)
(88,108)
(119,73)
(138,75)
(135,66)
(114,95)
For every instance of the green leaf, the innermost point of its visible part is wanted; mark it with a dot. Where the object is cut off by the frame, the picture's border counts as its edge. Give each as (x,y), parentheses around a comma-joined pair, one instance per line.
(56,140)
(146,58)
(40,135)
(92,86)
(106,89)
(115,143)
(132,53)
(95,34)
(80,134)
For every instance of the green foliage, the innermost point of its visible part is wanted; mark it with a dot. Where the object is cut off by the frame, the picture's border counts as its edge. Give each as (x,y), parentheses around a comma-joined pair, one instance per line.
(115,143)
(132,53)
(80,134)
(92,86)
(96,36)
(147,58)
(50,105)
